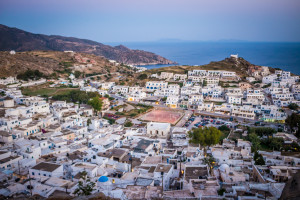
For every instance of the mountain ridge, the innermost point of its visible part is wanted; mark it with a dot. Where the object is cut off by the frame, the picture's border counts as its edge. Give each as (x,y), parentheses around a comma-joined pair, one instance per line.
(20,40)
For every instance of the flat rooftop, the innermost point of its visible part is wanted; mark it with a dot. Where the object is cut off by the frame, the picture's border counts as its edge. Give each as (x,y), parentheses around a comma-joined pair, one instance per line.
(163,168)
(44,166)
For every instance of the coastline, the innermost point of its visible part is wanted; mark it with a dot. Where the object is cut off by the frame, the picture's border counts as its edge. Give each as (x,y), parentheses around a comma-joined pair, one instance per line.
(285,56)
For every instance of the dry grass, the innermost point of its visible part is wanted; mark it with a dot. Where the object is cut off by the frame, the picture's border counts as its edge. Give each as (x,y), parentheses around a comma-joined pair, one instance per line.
(45,90)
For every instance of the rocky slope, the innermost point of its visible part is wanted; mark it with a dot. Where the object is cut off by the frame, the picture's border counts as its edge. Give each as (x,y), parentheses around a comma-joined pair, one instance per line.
(240,66)
(57,62)
(19,40)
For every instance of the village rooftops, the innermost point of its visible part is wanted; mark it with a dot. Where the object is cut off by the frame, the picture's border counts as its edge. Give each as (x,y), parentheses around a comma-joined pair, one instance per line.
(163,168)
(3,152)
(152,160)
(2,112)
(77,155)
(58,182)
(85,166)
(179,194)
(196,172)
(159,126)
(5,133)
(85,106)
(4,160)
(206,187)
(66,131)
(142,145)
(45,166)
(190,154)
(153,98)
(53,126)
(169,151)
(179,130)
(142,192)
(117,153)
(68,114)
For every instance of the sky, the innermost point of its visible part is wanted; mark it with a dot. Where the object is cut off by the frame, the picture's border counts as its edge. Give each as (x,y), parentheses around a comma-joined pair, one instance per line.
(152,20)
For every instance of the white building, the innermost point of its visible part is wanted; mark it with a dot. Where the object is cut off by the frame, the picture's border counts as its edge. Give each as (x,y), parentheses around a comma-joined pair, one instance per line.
(45,169)
(107,85)
(180,77)
(233,98)
(172,101)
(158,129)
(166,75)
(243,112)
(8,80)
(212,80)
(195,99)
(227,74)
(156,85)
(120,89)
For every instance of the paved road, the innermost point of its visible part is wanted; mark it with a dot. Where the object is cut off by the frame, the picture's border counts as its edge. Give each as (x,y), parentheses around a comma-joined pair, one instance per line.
(187,115)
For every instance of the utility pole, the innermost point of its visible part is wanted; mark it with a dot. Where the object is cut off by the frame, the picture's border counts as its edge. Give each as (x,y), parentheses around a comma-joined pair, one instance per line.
(130,163)
(180,167)
(66,188)
(162,184)
(30,186)
(19,168)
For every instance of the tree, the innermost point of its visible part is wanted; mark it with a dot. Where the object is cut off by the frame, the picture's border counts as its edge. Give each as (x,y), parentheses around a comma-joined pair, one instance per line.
(77,74)
(276,143)
(96,103)
(205,137)
(142,76)
(293,106)
(30,74)
(76,96)
(293,121)
(128,124)
(85,185)
(263,131)
(204,83)
(89,121)
(110,121)
(221,191)
(255,140)
(164,98)
(258,158)
(224,128)
(266,86)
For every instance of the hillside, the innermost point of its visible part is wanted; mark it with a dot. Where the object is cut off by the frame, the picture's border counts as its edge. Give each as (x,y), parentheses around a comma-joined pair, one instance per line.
(19,40)
(240,66)
(60,63)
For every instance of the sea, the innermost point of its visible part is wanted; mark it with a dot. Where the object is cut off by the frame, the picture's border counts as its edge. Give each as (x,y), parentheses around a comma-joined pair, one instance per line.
(273,54)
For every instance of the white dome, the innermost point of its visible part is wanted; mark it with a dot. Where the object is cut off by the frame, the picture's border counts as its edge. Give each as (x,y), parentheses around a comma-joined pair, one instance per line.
(224,168)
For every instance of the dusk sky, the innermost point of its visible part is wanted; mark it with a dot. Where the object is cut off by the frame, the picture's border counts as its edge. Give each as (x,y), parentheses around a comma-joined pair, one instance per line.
(151,20)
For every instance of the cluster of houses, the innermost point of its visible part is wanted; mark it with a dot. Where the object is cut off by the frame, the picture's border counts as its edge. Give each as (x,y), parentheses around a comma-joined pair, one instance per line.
(46,146)
(261,96)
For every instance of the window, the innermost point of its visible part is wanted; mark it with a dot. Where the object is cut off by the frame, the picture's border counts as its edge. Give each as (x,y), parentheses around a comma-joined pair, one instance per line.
(32,173)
